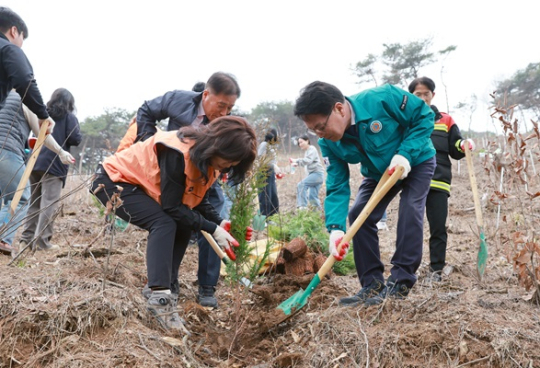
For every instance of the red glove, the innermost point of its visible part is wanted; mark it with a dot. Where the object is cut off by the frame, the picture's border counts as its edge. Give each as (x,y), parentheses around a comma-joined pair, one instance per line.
(471,144)
(225,240)
(335,238)
(226,224)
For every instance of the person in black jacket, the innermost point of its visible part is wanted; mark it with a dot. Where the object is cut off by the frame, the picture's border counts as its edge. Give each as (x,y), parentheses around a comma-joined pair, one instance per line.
(448,142)
(49,174)
(15,69)
(189,108)
(165,182)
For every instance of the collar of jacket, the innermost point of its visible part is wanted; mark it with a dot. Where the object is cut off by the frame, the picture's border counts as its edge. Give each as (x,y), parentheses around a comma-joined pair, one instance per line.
(197,99)
(360,115)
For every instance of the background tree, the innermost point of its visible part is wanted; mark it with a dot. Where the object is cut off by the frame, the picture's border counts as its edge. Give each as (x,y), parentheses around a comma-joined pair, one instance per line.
(399,63)
(101,135)
(281,116)
(522,89)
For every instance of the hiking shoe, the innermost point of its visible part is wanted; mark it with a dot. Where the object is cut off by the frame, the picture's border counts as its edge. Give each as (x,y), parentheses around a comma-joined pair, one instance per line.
(163,307)
(175,290)
(365,293)
(435,276)
(146,292)
(6,248)
(206,296)
(396,290)
(48,247)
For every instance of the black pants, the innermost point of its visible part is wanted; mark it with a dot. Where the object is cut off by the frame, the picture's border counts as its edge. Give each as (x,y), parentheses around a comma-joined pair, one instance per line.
(209,262)
(437,212)
(409,240)
(167,240)
(268,197)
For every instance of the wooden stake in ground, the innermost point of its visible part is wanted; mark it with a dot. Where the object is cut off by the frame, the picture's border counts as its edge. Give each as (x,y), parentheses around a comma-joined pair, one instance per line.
(482,250)
(29,167)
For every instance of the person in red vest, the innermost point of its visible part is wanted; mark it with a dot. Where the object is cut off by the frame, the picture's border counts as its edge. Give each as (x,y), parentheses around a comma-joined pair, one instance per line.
(163,183)
(448,142)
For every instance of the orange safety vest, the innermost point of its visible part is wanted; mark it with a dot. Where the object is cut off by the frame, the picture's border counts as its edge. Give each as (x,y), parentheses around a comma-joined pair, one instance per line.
(129,137)
(138,165)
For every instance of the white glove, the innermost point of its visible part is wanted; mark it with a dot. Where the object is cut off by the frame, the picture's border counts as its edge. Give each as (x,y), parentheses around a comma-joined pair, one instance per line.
(224,239)
(51,123)
(277,170)
(66,157)
(471,144)
(399,160)
(335,238)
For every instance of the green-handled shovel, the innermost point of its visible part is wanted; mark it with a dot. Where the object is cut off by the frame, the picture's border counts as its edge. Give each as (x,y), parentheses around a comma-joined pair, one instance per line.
(482,250)
(298,300)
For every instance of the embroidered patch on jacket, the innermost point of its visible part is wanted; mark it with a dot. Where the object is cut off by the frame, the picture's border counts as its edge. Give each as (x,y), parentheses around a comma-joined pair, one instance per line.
(326,161)
(404,102)
(375,126)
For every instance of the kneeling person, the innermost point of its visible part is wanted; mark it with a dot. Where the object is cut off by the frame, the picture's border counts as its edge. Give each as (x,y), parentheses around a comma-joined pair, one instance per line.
(165,181)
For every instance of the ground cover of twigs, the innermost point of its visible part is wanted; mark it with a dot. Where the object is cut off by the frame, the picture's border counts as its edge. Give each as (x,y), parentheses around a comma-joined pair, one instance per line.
(82,307)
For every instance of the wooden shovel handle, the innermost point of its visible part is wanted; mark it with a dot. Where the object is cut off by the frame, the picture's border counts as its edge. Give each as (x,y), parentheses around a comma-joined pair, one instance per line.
(214,245)
(387,181)
(29,167)
(474,187)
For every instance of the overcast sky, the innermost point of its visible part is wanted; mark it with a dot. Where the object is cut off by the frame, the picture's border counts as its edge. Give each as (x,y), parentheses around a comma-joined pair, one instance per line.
(119,53)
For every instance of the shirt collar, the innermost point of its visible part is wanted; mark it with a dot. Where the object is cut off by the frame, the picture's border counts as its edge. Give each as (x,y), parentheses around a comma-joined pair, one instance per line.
(200,111)
(359,114)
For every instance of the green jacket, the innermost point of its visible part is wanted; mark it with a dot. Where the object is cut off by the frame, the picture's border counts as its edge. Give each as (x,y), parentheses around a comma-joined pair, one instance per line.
(388,121)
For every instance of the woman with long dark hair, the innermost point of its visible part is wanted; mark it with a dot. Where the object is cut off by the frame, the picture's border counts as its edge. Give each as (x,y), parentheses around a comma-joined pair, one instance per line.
(48,176)
(164,182)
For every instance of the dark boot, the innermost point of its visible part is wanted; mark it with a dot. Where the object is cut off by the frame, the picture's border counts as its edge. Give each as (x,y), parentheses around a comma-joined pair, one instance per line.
(366,292)
(206,296)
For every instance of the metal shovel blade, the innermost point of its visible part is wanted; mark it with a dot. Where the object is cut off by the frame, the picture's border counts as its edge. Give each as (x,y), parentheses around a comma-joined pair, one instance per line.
(481,259)
(300,298)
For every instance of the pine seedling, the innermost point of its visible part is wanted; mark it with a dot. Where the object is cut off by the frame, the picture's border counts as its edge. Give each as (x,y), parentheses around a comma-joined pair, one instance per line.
(243,211)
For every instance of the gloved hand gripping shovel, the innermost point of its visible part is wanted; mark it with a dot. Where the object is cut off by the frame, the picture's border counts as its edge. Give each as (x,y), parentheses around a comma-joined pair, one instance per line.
(226,258)
(482,250)
(298,300)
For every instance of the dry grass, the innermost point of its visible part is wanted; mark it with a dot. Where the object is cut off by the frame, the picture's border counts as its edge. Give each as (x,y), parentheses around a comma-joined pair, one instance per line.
(56,311)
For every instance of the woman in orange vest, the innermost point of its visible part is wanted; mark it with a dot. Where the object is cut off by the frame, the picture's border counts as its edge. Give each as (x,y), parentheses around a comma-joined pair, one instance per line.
(163,183)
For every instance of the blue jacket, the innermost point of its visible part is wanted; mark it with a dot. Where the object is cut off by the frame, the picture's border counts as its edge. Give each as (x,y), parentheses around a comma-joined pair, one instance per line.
(180,107)
(388,121)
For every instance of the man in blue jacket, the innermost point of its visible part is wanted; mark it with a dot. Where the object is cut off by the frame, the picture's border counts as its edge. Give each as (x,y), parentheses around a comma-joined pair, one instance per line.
(15,69)
(380,128)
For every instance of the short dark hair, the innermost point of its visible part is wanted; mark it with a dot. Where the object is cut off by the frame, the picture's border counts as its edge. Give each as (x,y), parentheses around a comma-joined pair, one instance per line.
(271,135)
(220,139)
(198,87)
(305,137)
(425,81)
(8,19)
(61,103)
(317,98)
(223,83)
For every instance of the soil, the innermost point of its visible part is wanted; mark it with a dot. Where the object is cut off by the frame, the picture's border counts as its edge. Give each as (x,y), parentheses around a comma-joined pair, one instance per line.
(82,306)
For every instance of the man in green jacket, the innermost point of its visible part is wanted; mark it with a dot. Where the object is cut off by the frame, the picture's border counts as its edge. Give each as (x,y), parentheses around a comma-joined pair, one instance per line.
(380,128)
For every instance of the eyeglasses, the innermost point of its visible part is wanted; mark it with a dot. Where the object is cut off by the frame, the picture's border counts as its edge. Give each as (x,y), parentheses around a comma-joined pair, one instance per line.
(319,129)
